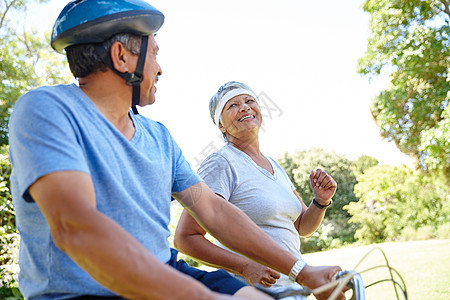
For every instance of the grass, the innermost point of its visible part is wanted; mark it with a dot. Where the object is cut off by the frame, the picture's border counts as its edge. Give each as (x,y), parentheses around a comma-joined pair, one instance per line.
(424,266)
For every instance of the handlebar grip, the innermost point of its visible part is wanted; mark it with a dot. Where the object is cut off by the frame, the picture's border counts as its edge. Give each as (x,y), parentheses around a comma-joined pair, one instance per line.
(356,284)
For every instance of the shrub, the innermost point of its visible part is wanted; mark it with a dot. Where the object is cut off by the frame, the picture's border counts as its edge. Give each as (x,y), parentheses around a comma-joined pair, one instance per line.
(443,231)
(409,233)
(9,238)
(320,240)
(425,232)
(397,201)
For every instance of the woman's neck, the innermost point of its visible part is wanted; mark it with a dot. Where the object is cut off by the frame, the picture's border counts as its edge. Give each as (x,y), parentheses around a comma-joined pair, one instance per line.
(248,146)
(251,148)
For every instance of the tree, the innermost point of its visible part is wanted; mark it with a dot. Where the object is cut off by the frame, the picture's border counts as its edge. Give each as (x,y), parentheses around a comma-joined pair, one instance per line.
(410,40)
(9,238)
(435,142)
(335,229)
(299,165)
(393,198)
(26,59)
(363,163)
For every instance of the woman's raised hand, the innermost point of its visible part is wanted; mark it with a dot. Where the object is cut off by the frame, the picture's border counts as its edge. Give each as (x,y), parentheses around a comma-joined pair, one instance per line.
(323,186)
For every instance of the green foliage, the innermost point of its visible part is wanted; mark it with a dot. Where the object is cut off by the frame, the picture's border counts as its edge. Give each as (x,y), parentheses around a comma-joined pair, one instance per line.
(410,40)
(397,201)
(435,142)
(9,238)
(364,163)
(321,239)
(335,230)
(409,233)
(299,165)
(443,231)
(427,232)
(26,60)
(9,256)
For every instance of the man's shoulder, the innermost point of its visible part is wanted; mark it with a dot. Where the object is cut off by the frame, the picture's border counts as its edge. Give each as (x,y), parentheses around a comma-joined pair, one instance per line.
(50,95)
(43,99)
(54,90)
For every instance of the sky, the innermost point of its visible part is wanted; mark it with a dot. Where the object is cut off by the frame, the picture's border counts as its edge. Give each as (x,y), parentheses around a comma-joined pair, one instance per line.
(299,56)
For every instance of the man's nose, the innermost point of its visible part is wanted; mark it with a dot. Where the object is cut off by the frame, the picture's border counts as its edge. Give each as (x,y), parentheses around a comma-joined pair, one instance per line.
(159,71)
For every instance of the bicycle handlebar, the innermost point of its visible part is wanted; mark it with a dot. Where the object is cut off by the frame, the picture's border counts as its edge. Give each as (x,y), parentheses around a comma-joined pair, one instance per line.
(356,284)
(351,279)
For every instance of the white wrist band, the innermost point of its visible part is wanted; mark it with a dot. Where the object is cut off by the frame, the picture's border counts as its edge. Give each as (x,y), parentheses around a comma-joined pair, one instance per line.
(296,269)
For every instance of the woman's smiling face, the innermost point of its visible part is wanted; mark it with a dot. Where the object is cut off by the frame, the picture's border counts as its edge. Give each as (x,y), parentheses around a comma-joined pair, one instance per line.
(240,115)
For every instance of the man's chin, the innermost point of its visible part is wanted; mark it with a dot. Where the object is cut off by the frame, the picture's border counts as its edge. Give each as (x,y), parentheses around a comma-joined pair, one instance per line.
(148,101)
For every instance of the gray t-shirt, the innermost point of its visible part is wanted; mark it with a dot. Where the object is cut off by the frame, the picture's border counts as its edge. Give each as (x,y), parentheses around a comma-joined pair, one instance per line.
(267,199)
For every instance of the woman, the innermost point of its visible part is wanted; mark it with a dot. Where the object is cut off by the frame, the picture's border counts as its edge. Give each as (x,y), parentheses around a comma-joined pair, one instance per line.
(241,174)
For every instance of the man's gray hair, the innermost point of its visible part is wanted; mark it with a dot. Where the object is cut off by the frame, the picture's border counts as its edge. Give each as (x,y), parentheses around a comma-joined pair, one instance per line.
(84,59)
(131,42)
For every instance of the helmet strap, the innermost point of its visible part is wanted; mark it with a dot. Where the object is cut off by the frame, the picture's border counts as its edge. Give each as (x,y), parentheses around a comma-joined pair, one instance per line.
(133,79)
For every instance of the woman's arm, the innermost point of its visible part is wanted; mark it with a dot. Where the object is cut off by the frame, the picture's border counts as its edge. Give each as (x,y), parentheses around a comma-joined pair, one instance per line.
(324,187)
(190,239)
(309,220)
(233,228)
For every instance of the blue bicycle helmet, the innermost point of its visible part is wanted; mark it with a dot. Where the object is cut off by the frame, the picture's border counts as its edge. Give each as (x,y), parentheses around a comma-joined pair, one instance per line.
(95,21)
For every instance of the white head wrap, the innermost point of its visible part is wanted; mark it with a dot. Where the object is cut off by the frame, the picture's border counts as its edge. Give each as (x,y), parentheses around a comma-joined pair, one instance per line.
(226,97)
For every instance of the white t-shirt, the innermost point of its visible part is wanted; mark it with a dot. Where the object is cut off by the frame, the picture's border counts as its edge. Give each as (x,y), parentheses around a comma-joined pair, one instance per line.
(267,199)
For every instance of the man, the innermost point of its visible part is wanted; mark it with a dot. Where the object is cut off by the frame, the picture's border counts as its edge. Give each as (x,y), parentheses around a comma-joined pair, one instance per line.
(92,180)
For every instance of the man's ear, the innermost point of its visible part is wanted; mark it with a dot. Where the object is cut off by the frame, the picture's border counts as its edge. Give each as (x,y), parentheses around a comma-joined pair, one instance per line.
(122,58)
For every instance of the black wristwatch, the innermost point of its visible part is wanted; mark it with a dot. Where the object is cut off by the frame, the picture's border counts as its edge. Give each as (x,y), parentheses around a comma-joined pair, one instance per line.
(320,205)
